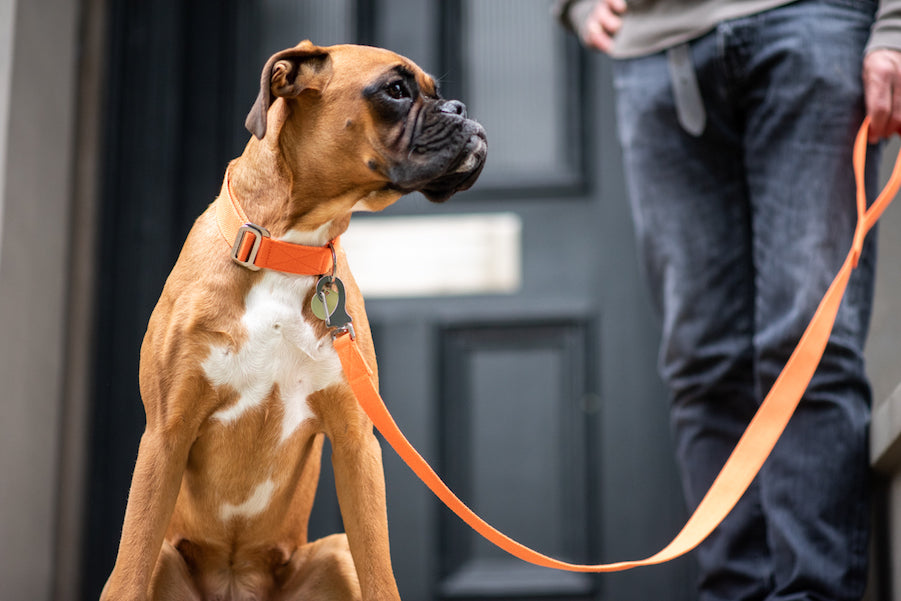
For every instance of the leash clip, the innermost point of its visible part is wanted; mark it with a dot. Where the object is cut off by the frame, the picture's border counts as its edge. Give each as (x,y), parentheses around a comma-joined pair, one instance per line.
(247,256)
(347,328)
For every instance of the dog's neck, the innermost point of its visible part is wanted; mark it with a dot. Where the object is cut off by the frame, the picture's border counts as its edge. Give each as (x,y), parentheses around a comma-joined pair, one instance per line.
(281,202)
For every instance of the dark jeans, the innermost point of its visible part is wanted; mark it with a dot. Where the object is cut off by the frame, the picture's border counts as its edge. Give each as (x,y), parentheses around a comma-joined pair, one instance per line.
(740,231)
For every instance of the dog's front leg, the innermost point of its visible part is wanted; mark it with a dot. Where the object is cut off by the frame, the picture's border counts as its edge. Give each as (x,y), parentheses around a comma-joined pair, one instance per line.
(360,483)
(154,489)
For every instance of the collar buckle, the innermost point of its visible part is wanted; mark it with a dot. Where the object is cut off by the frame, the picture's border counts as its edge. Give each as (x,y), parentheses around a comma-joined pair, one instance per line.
(247,245)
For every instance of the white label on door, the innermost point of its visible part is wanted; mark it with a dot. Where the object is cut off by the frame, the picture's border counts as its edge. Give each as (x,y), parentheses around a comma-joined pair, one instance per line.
(435,255)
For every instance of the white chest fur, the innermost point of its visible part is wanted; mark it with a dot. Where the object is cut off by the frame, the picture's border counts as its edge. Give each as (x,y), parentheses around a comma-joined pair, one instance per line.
(280,349)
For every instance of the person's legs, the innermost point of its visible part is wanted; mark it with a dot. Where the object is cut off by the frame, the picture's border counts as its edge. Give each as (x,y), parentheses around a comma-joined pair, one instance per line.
(737,265)
(692,221)
(798,69)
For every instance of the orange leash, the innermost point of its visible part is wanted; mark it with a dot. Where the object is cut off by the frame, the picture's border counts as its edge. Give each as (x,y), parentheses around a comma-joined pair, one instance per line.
(749,454)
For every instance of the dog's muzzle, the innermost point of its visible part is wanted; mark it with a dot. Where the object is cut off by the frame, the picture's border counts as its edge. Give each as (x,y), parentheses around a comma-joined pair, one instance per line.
(447,152)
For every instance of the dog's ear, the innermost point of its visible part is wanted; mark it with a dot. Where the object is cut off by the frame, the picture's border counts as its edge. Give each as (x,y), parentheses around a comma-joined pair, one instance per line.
(287,74)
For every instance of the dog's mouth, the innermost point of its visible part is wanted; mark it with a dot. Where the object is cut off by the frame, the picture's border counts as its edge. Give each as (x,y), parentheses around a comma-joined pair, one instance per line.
(463,171)
(445,156)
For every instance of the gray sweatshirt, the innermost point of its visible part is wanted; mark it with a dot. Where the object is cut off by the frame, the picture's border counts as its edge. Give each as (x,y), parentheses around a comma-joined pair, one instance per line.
(653,25)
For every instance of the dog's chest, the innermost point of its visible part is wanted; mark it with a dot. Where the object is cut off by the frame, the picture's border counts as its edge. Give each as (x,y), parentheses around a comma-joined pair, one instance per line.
(281,352)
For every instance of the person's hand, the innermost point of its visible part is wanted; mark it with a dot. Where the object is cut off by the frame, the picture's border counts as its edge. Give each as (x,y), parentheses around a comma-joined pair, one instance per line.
(602,24)
(882,92)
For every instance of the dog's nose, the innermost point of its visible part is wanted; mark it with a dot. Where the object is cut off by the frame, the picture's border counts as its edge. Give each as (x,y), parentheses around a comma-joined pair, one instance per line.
(453,107)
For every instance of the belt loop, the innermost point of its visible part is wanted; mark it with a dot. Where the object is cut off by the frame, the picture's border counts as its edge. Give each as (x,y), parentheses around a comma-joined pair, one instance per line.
(686,92)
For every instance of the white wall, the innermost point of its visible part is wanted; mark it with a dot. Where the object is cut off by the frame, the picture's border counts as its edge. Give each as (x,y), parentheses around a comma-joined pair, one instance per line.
(38,59)
(7,35)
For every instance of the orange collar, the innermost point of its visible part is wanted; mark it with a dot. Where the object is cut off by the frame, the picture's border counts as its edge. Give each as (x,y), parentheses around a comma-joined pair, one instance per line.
(253,247)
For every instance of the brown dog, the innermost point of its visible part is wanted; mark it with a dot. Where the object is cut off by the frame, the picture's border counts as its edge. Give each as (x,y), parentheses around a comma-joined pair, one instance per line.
(240,380)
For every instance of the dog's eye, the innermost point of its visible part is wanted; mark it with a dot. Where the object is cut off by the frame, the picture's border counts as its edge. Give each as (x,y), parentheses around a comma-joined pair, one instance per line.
(397,90)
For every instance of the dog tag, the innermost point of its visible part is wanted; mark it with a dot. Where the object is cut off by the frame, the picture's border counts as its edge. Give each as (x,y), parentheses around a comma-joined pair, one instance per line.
(321,311)
(330,298)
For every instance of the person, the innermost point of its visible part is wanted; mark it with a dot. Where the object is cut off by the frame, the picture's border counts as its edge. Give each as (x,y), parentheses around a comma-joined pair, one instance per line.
(736,121)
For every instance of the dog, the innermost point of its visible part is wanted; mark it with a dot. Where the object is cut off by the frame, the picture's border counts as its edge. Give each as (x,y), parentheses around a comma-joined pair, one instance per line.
(238,376)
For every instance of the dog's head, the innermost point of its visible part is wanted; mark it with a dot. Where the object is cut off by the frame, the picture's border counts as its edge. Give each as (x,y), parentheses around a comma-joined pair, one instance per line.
(367,118)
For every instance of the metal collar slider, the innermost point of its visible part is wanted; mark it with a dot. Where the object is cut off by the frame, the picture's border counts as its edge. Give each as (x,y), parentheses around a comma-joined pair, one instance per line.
(247,245)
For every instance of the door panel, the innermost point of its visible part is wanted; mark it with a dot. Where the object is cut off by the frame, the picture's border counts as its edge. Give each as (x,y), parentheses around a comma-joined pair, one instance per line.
(513,419)
(539,404)
(510,62)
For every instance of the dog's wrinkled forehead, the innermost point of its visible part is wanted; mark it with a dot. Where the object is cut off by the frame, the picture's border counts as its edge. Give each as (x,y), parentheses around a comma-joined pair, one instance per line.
(378,65)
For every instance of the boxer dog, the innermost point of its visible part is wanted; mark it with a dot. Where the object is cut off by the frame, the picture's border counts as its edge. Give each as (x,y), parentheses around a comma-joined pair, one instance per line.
(240,380)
